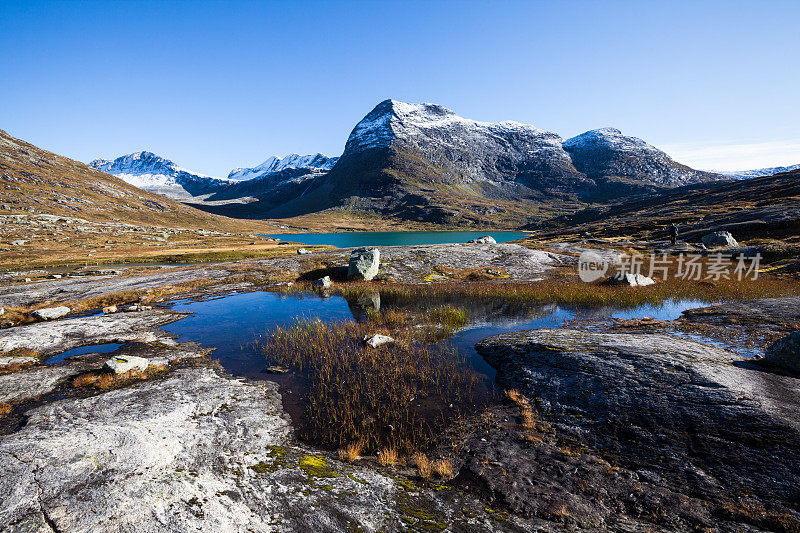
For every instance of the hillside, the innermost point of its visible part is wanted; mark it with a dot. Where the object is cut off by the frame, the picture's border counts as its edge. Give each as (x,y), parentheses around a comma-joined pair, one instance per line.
(758,208)
(33,180)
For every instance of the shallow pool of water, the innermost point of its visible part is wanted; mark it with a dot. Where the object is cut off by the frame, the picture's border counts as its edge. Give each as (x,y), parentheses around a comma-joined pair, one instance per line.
(95,348)
(231,324)
(394,238)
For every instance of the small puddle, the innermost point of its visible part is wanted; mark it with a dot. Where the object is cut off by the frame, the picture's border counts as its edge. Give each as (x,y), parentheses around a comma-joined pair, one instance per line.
(96,348)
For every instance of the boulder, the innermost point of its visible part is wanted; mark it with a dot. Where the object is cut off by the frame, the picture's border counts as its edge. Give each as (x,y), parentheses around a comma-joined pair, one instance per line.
(377,340)
(110,309)
(785,352)
(303,251)
(364,264)
(322,283)
(2,311)
(486,239)
(51,313)
(19,242)
(718,239)
(125,363)
(630,280)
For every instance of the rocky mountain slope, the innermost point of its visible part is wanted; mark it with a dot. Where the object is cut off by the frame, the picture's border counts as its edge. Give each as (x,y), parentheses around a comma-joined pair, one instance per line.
(618,162)
(33,180)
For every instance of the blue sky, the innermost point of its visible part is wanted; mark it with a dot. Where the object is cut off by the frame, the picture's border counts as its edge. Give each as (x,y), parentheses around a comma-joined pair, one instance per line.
(217,85)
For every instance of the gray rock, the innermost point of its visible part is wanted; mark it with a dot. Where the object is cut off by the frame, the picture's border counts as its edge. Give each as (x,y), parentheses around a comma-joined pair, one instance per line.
(303,251)
(630,280)
(51,313)
(377,340)
(19,242)
(785,352)
(125,363)
(2,311)
(364,264)
(198,451)
(486,239)
(719,239)
(682,410)
(322,283)
(50,338)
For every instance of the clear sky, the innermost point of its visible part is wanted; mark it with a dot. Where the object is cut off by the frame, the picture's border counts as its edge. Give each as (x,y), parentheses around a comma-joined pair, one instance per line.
(218,85)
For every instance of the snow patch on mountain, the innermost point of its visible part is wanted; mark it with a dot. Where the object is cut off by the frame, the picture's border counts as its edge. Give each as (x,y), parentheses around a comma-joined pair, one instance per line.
(392,119)
(612,138)
(313,162)
(154,173)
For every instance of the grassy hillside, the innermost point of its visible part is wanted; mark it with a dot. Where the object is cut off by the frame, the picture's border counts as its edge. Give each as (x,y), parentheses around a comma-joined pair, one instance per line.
(33,180)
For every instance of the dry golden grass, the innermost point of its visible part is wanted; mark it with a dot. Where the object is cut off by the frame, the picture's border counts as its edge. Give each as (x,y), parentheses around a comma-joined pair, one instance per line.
(351,453)
(423,464)
(371,396)
(443,468)
(106,380)
(5,408)
(387,457)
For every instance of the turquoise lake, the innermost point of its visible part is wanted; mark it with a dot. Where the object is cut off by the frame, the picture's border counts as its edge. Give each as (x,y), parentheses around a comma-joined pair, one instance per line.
(394,238)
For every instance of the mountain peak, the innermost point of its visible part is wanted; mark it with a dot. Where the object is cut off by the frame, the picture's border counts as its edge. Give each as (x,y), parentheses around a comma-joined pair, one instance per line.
(391,119)
(274,164)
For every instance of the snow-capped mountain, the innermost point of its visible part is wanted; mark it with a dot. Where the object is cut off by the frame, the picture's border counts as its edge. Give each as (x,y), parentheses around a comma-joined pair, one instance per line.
(156,174)
(292,161)
(423,161)
(757,173)
(606,153)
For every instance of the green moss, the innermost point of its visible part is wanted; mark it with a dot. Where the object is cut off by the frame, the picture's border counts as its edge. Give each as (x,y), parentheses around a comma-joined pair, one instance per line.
(316,466)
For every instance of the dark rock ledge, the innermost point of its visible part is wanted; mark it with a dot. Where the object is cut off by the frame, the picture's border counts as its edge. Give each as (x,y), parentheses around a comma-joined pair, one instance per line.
(645,427)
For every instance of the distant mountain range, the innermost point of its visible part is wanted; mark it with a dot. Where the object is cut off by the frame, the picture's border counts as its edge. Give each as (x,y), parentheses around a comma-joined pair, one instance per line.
(423,162)
(757,173)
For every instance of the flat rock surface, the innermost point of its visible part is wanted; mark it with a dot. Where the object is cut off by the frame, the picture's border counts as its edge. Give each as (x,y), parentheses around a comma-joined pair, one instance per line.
(769,313)
(690,420)
(66,289)
(49,338)
(199,451)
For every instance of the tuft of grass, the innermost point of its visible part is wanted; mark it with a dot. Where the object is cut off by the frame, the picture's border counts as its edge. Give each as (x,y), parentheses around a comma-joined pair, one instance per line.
(423,464)
(397,397)
(351,453)
(443,468)
(387,457)
(5,408)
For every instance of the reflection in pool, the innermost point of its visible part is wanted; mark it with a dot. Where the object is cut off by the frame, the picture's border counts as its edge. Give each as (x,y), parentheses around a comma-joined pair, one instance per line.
(394,238)
(95,348)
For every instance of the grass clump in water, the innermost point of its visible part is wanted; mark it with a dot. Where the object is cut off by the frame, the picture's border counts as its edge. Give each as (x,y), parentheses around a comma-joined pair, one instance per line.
(396,396)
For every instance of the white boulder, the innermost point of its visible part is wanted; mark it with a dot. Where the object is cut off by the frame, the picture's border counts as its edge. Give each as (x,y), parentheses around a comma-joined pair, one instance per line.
(377,340)
(125,363)
(51,313)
